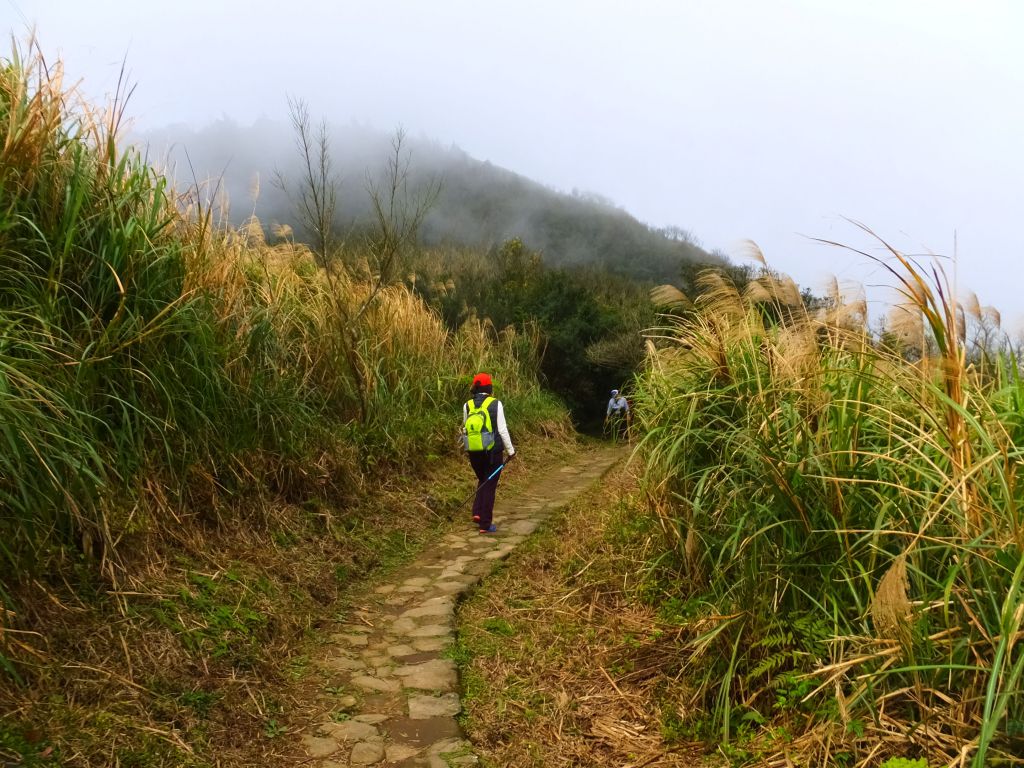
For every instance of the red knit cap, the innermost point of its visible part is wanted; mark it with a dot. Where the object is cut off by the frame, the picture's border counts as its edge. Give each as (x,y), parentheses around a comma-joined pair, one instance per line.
(482,379)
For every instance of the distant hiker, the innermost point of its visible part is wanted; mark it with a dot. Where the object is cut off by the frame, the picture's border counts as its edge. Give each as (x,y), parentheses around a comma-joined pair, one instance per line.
(485,436)
(617,416)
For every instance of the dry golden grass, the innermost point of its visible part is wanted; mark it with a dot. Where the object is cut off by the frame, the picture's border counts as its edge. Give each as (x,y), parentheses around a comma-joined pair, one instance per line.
(114,678)
(890,605)
(565,666)
(786,445)
(114,682)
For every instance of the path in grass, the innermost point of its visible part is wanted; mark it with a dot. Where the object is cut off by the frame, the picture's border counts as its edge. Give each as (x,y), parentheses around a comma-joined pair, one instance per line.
(393,695)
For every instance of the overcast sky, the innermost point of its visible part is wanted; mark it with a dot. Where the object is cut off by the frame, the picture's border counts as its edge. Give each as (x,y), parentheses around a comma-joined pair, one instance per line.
(732,118)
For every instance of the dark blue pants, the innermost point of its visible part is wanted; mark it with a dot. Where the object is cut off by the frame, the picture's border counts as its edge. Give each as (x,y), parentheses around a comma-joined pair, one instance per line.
(484,463)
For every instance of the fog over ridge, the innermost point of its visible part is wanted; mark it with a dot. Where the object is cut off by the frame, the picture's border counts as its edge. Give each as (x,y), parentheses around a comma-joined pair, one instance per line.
(479,205)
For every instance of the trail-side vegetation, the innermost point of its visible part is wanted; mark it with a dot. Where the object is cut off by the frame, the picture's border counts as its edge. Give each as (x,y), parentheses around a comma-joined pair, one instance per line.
(819,563)
(843,511)
(206,438)
(590,322)
(562,661)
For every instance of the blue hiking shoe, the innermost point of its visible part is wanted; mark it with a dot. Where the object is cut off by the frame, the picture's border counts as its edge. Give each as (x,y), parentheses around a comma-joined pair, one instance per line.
(492,529)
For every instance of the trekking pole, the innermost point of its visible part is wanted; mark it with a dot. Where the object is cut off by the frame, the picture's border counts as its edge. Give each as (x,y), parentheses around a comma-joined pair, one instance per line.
(481,485)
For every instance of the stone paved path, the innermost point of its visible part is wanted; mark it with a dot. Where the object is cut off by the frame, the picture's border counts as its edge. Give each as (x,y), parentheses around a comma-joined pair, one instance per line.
(394,696)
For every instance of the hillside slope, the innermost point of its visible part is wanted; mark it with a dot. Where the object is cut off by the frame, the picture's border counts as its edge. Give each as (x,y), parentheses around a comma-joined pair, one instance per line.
(479,205)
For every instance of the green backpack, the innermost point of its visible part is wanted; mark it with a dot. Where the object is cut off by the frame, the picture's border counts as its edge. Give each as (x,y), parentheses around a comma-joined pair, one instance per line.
(479,434)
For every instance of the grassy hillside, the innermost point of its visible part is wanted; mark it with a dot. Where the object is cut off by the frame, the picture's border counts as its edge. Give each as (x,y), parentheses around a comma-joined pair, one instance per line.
(203,438)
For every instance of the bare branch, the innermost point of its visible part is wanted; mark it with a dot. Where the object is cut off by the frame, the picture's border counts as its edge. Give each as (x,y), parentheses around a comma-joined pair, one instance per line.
(398,214)
(316,196)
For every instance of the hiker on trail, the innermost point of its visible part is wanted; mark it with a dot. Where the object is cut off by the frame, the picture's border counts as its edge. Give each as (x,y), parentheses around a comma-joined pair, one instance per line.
(485,436)
(617,416)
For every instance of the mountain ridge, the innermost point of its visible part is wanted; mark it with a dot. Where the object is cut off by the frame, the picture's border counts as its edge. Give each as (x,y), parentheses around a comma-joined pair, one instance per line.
(480,204)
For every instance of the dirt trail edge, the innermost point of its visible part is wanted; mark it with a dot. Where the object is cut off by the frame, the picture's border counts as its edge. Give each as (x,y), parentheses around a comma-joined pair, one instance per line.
(394,695)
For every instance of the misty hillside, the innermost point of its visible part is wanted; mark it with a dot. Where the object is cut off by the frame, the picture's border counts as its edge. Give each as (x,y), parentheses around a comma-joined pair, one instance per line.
(479,204)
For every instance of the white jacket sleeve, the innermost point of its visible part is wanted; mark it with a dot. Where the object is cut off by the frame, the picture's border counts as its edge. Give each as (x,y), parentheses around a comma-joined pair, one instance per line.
(503,430)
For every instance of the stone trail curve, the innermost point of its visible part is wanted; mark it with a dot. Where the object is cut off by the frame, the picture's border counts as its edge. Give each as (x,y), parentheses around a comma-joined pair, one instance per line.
(393,696)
